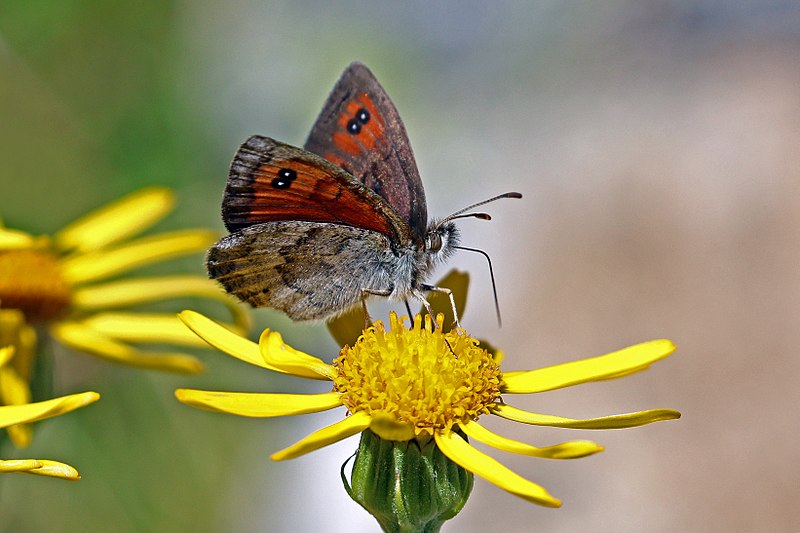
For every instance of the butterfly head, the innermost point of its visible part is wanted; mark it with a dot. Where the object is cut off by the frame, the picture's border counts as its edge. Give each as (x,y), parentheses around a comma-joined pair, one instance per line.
(441,240)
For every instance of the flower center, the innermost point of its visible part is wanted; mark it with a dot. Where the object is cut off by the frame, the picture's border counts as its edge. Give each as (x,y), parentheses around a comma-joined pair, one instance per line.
(31,281)
(419,376)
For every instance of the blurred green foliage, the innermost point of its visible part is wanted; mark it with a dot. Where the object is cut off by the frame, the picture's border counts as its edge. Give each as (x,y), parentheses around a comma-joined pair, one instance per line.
(91,107)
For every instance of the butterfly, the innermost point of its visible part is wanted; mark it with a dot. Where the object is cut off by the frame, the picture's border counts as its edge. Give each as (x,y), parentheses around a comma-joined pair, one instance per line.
(314,231)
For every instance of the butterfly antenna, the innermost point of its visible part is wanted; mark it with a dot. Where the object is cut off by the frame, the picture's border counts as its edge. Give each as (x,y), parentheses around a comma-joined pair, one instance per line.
(483,216)
(491,275)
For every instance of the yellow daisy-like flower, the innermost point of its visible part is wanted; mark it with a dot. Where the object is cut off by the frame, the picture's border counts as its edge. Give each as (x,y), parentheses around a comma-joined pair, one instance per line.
(421,383)
(64,282)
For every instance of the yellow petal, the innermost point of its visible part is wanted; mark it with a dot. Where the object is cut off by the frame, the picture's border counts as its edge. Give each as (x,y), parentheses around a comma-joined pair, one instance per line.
(41,467)
(627,420)
(143,327)
(566,450)
(83,338)
(129,292)
(15,391)
(461,453)
(19,465)
(258,404)
(355,423)
(613,365)
(6,353)
(17,333)
(108,262)
(387,428)
(15,240)
(13,388)
(292,361)
(225,340)
(32,412)
(116,221)
(25,352)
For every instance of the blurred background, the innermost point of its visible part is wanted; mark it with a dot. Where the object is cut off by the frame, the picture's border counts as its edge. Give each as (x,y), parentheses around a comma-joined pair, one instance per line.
(657,145)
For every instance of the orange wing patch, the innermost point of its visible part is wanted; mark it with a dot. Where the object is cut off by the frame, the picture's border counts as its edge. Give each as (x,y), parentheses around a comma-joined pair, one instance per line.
(370,132)
(314,195)
(346,142)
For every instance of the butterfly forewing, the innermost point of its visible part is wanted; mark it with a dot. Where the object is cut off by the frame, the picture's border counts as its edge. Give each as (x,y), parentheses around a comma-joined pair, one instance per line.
(272,181)
(360,131)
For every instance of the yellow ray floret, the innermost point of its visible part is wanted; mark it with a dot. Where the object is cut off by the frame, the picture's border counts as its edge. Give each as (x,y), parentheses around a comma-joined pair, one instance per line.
(292,361)
(461,453)
(144,251)
(40,467)
(627,420)
(225,340)
(33,412)
(259,404)
(616,364)
(130,292)
(352,425)
(116,221)
(81,337)
(565,450)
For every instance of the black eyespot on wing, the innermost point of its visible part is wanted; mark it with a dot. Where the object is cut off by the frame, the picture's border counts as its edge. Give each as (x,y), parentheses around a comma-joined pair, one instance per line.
(281,183)
(285,178)
(287,173)
(362,115)
(354,126)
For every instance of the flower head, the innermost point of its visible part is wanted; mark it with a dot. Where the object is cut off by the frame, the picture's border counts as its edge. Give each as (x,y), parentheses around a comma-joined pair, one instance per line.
(69,283)
(401,377)
(418,383)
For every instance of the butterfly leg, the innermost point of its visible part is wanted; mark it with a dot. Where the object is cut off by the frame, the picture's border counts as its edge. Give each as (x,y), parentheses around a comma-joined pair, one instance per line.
(408,309)
(421,297)
(449,293)
(371,292)
(427,304)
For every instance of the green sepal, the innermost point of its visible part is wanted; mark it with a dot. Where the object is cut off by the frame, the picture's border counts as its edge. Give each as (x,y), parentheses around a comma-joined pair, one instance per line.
(408,486)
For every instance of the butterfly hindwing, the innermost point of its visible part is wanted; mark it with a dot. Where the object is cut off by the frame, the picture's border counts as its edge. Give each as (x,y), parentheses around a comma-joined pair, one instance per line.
(309,270)
(360,131)
(271,181)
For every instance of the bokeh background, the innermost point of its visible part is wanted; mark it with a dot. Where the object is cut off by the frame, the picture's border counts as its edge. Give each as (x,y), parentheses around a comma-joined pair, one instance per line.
(658,148)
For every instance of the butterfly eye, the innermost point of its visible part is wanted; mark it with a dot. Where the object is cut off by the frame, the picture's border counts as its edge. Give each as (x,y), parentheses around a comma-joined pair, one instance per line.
(434,243)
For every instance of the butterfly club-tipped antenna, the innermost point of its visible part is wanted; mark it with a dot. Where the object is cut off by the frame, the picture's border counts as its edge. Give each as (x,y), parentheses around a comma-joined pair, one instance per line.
(463,213)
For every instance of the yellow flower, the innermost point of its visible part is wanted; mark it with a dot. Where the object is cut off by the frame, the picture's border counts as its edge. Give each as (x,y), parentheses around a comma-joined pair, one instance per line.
(422,383)
(62,282)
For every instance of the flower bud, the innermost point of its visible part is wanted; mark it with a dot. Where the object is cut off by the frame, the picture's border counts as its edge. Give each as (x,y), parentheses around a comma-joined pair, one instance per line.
(408,486)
